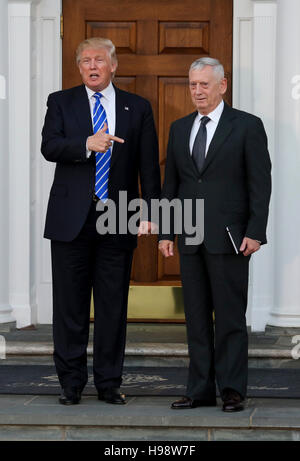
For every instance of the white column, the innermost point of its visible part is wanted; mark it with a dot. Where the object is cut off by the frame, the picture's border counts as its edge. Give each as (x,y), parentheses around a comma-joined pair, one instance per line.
(5,309)
(263,105)
(254,33)
(242,83)
(286,309)
(49,57)
(34,70)
(22,112)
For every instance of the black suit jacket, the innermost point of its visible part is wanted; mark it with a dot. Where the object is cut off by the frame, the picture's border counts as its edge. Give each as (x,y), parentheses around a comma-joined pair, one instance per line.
(235,181)
(67,125)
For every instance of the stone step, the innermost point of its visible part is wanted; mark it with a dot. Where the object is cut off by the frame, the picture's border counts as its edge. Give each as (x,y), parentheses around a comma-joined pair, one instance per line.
(40,417)
(147,419)
(157,345)
(149,354)
(137,349)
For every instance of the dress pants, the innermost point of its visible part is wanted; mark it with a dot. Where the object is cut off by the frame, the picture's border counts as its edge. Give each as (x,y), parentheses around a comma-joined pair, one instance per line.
(89,262)
(218,352)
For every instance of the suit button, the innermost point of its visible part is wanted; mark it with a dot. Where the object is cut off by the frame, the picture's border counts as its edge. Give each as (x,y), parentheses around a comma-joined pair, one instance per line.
(200,180)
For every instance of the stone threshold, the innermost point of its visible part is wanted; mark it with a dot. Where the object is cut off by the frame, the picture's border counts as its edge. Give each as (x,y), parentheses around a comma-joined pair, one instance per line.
(21,348)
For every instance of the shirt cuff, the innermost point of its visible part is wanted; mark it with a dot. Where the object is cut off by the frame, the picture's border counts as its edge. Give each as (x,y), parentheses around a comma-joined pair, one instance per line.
(88,152)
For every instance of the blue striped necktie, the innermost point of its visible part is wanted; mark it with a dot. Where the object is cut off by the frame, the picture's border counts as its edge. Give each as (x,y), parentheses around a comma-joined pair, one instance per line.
(102,159)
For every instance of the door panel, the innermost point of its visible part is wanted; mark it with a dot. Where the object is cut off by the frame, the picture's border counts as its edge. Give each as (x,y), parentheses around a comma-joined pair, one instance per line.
(156,42)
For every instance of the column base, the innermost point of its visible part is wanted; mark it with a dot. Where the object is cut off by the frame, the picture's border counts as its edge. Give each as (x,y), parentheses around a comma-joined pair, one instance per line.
(284,320)
(281,331)
(6,314)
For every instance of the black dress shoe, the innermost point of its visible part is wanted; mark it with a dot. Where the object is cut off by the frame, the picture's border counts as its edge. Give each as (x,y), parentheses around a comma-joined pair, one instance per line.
(112,395)
(186,402)
(70,396)
(232,401)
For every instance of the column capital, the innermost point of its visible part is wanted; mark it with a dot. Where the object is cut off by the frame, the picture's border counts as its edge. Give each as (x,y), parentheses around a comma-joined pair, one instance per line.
(21,8)
(24,1)
(264,1)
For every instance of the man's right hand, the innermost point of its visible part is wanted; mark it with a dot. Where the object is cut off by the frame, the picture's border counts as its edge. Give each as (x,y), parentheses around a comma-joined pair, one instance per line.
(101,141)
(166,247)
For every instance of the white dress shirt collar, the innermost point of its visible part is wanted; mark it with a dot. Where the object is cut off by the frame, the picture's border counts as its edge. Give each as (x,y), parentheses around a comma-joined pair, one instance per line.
(211,126)
(215,114)
(107,93)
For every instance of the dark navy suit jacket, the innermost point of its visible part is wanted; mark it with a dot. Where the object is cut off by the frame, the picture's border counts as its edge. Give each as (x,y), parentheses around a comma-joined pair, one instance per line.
(67,125)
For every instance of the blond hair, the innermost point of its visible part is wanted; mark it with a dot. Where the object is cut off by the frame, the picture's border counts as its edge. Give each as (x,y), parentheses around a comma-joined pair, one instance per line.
(97,42)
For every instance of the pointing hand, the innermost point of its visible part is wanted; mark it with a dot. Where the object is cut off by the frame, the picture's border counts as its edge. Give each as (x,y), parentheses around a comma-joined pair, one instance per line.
(102,141)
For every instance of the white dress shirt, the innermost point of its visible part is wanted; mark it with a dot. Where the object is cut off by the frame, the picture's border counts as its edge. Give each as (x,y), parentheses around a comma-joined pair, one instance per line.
(211,126)
(108,101)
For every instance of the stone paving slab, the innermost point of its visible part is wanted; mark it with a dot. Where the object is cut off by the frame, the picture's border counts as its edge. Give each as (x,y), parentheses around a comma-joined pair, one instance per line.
(257,435)
(282,417)
(179,436)
(147,419)
(145,412)
(142,412)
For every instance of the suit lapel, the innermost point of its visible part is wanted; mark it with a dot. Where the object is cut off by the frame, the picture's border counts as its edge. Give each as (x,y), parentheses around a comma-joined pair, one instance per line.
(81,109)
(123,109)
(222,132)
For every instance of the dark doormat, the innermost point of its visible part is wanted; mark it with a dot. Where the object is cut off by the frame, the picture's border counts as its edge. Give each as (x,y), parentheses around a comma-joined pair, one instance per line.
(167,381)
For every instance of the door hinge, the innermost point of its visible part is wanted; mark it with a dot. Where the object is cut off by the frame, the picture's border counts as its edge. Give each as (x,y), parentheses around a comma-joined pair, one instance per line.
(61,26)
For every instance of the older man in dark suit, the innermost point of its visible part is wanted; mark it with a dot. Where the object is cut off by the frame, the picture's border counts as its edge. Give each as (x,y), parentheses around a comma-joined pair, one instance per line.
(220,155)
(101,139)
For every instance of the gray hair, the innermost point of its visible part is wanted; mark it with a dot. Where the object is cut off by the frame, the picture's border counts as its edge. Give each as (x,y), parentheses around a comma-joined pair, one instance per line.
(218,69)
(97,42)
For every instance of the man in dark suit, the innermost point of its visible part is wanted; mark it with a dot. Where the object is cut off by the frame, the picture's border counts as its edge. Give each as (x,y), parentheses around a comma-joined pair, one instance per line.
(101,139)
(220,155)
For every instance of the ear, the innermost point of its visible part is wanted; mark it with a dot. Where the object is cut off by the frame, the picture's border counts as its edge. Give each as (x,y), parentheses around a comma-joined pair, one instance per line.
(223,86)
(114,66)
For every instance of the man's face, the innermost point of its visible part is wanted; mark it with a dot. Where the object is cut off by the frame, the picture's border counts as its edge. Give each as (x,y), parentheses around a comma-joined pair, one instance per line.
(96,68)
(206,89)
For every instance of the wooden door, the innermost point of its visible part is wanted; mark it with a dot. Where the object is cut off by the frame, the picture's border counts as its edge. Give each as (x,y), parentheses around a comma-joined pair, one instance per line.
(156,42)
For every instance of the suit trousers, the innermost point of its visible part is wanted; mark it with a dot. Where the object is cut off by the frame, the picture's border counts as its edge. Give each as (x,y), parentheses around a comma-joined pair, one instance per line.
(89,262)
(218,349)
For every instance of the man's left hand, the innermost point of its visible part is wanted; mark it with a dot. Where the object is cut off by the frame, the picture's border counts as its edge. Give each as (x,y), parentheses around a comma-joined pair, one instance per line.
(249,246)
(147,228)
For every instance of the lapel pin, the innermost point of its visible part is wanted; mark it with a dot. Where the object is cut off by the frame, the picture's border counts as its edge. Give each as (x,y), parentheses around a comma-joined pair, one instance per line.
(126,108)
